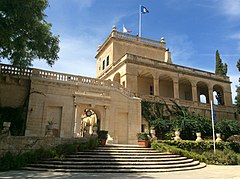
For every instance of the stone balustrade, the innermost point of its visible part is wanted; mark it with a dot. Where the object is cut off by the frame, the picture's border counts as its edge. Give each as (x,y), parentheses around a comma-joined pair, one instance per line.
(173,67)
(15,71)
(50,75)
(133,38)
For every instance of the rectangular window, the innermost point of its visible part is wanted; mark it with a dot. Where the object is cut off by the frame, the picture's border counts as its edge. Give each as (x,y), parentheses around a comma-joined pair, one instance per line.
(107,60)
(103,64)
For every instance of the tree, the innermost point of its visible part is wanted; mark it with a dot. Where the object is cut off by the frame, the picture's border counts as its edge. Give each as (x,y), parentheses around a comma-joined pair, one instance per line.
(237,98)
(219,65)
(24,33)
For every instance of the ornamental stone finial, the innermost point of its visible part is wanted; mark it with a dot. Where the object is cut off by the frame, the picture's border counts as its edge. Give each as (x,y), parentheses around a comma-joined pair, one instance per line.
(114,28)
(162,40)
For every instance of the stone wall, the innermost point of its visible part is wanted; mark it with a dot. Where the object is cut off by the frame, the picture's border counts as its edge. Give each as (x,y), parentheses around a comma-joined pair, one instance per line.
(21,144)
(13,91)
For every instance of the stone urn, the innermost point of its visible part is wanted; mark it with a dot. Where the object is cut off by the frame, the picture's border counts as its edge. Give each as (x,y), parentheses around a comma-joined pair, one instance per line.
(177,135)
(153,133)
(218,137)
(199,138)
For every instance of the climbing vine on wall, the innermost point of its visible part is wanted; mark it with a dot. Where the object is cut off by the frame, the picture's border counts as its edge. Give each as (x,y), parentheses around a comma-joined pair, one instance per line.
(153,112)
(16,117)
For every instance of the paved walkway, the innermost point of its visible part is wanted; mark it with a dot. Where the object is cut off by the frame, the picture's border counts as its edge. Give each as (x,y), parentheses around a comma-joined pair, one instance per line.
(209,172)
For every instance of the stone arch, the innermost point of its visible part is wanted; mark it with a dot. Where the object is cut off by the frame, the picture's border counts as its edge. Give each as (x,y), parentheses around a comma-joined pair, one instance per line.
(145,83)
(218,95)
(185,89)
(202,92)
(166,86)
(117,77)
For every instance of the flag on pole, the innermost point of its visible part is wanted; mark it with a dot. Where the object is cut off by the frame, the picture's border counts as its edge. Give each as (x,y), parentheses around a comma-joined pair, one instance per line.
(213,112)
(144,10)
(125,30)
(213,130)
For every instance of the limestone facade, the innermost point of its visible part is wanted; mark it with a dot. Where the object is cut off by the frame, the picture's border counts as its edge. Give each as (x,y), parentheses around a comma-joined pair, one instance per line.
(63,98)
(129,68)
(145,67)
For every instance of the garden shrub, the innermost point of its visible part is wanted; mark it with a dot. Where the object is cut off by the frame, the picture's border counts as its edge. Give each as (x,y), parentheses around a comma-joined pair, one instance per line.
(174,150)
(228,128)
(226,157)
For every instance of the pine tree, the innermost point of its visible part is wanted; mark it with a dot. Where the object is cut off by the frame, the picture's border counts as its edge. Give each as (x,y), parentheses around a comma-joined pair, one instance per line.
(221,69)
(237,98)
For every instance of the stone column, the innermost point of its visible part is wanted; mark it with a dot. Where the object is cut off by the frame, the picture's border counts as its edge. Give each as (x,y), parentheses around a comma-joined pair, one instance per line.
(75,131)
(194,93)
(156,86)
(227,98)
(176,89)
(131,82)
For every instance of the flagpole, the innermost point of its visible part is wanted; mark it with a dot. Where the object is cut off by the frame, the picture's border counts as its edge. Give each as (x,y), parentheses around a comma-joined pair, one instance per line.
(140,22)
(214,143)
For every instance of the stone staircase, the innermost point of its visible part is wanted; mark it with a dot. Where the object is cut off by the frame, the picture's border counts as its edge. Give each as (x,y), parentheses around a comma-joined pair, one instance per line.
(118,158)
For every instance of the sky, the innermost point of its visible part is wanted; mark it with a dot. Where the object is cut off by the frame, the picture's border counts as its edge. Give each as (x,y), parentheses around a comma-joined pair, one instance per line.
(193,31)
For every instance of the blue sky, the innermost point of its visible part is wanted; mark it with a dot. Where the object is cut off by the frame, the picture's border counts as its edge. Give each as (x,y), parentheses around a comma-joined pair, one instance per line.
(193,30)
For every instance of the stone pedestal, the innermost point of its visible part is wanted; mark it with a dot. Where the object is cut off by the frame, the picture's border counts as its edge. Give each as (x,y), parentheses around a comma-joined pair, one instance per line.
(218,137)
(177,135)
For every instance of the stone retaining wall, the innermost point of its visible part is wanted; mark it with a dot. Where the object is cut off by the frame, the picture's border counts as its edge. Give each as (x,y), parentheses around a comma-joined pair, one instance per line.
(21,144)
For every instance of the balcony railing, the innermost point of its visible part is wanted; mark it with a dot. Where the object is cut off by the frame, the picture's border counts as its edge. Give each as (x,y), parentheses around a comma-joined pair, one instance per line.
(50,75)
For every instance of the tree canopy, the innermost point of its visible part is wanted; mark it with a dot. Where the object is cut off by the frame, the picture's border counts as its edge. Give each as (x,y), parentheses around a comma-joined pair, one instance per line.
(237,98)
(221,69)
(25,35)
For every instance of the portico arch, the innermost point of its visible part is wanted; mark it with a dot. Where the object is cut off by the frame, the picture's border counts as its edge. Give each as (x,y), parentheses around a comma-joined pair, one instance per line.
(202,92)
(166,86)
(145,84)
(218,95)
(185,89)
(117,78)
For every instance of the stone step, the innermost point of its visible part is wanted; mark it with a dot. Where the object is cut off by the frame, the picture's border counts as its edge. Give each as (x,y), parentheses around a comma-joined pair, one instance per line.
(124,150)
(107,162)
(119,156)
(121,153)
(119,166)
(136,159)
(122,170)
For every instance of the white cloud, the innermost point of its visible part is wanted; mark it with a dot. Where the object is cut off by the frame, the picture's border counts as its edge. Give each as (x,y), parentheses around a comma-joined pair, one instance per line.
(84,3)
(76,56)
(235,36)
(231,8)
(234,80)
(181,48)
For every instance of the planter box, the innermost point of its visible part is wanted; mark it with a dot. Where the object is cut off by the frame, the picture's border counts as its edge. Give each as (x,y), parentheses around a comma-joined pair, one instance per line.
(144,143)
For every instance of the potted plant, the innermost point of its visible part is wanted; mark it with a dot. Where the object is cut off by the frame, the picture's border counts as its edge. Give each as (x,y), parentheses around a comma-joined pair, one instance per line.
(50,125)
(143,139)
(102,137)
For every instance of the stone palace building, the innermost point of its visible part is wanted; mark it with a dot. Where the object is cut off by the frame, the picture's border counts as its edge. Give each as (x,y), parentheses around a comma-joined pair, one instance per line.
(129,69)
